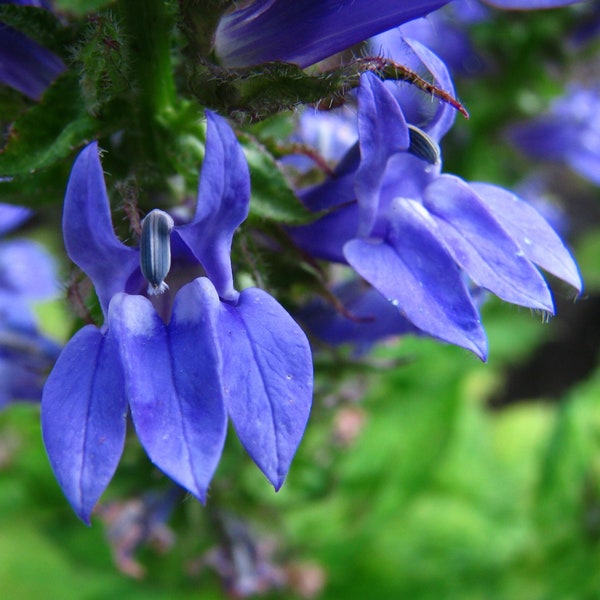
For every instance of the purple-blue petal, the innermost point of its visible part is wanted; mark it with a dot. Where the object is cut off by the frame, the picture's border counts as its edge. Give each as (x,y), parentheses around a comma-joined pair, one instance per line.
(25,65)
(536,238)
(568,132)
(268,377)
(325,238)
(414,271)
(337,190)
(369,317)
(26,356)
(549,137)
(18,382)
(88,232)
(444,116)
(223,204)
(307,31)
(481,246)
(12,216)
(173,382)
(84,414)
(331,133)
(432,115)
(27,269)
(382,132)
(38,3)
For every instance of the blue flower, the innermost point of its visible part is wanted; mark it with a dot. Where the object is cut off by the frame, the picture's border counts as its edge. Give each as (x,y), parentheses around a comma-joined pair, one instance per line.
(24,64)
(415,234)
(182,361)
(569,132)
(27,275)
(307,31)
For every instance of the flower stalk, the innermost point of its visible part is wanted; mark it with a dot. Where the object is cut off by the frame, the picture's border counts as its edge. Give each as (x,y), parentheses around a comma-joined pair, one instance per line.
(148,28)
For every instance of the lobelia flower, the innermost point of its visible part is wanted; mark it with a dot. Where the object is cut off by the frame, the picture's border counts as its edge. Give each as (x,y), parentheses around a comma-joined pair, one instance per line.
(27,275)
(414,233)
(24,64)
(307,31)
(184,360)
(569,132)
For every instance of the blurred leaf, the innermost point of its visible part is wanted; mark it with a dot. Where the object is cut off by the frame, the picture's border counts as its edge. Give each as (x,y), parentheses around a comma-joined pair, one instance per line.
(36,189)
(272,196)
(81,7)
(48,131)
(571,465)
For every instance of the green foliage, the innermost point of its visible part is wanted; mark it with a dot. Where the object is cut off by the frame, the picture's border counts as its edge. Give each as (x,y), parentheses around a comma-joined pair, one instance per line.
(49,131)
(250,94)
(272,196)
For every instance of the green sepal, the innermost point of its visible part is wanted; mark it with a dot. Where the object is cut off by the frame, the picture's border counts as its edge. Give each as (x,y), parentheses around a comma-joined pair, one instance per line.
(48,131)
(272,197)
(250,94)
(254,93)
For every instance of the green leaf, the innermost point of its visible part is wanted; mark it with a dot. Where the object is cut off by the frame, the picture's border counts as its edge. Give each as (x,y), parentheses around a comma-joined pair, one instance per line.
(37,189)
(49,131)
(272,197)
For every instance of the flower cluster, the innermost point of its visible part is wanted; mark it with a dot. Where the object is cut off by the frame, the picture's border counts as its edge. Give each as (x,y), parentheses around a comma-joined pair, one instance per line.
(413,233)
(187,329)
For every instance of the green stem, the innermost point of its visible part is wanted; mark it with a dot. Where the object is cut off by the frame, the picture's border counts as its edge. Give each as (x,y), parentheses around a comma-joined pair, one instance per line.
(149,27)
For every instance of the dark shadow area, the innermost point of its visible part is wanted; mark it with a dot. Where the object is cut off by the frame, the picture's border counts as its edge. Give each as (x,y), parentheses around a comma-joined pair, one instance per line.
(558,364)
